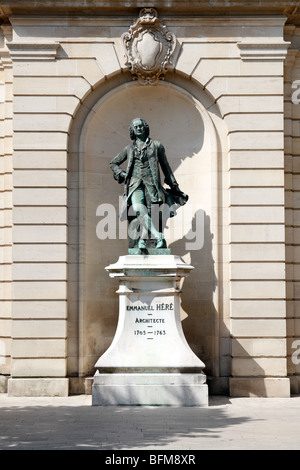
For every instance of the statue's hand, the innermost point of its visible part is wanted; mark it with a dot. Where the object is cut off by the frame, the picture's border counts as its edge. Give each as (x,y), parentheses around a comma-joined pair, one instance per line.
(177,191)
(120,176)
(175,188)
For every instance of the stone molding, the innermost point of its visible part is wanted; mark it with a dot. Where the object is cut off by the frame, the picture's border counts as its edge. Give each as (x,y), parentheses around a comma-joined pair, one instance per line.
(5,57)
(263,51)
(33,51)
(216,7)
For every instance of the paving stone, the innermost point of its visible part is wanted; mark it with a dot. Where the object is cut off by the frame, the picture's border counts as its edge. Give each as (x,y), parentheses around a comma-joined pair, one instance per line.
(71,423)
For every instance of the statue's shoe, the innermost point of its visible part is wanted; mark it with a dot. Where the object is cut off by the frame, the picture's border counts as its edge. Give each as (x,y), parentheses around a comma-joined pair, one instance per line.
(160,243)
(142,245)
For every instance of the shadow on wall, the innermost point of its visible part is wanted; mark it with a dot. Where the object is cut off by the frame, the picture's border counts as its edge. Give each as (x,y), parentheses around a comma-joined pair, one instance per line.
(199,324)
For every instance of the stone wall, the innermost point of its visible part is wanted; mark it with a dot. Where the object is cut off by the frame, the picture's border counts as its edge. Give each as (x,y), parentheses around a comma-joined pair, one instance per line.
(292,134)
(6,168)
(73,98)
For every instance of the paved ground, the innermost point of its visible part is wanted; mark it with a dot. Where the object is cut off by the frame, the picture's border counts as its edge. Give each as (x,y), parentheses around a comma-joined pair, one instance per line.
(72,423)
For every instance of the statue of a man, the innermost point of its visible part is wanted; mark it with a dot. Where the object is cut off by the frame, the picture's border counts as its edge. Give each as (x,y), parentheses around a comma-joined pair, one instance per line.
(142,183)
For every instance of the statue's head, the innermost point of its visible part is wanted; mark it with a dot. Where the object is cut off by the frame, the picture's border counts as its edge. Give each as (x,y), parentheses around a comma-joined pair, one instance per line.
(132,128)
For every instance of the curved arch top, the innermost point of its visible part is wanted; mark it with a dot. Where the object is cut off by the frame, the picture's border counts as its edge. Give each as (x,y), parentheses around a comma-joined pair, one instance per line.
(131,87)
(103,89)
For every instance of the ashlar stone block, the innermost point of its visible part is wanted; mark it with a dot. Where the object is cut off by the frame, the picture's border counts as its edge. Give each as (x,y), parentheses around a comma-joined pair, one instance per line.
(257,233)
(256,215)
(257,252)
(37,290)
(40,215)
(259,327)
(259,387)
(38,387)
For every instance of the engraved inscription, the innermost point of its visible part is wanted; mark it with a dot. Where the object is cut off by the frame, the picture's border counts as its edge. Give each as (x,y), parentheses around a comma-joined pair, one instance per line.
(151,322)
(143,308)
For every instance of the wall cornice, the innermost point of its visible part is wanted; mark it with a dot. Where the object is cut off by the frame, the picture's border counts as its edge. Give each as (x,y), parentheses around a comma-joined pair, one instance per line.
(210,21)
(217,8)
(265,51)
(33,51)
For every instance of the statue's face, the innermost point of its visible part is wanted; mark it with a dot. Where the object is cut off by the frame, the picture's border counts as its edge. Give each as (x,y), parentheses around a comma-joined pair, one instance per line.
(139,128)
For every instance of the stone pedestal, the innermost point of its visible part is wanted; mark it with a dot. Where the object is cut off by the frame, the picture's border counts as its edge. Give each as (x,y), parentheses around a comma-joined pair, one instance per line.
(149,361)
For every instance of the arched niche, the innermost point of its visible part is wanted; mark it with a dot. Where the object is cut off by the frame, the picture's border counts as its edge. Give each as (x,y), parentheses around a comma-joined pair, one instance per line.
(187,122)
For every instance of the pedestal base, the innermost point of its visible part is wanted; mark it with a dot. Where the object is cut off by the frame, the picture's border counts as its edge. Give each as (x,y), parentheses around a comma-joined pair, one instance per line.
(149,361)
(152,389)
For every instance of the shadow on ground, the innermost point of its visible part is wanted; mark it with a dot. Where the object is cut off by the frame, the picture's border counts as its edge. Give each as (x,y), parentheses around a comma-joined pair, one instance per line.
(112,428)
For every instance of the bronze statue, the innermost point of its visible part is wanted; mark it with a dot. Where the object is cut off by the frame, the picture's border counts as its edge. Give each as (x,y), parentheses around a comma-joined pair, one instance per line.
(142,183)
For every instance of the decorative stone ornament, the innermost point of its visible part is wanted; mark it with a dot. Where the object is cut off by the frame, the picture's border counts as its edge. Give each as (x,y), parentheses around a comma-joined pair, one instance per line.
(148,48)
